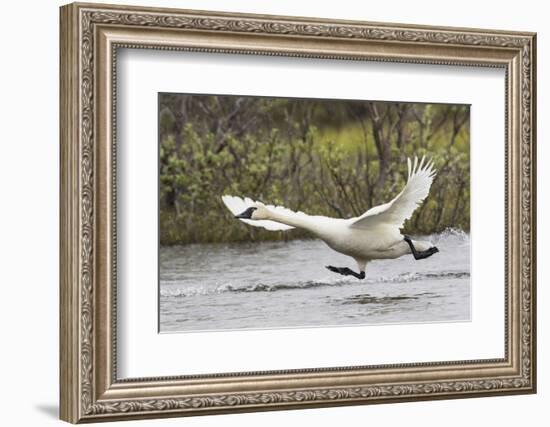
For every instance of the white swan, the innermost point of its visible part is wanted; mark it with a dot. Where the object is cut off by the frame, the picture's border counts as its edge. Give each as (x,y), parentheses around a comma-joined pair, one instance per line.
(373,235)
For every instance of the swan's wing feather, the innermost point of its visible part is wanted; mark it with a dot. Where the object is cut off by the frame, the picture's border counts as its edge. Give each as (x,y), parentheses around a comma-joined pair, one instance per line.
(401,208)
(237,205)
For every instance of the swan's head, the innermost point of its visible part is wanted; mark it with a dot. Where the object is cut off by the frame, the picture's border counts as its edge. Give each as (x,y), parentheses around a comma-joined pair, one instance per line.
(256,212)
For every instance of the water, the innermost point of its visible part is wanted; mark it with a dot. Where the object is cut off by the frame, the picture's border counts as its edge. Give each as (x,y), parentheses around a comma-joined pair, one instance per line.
(285,284)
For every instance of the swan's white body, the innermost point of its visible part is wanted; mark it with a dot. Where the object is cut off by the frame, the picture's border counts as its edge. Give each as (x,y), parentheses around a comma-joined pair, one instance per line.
(373,235)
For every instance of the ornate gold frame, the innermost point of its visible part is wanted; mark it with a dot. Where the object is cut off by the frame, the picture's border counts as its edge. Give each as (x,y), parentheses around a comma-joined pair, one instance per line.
(90,35)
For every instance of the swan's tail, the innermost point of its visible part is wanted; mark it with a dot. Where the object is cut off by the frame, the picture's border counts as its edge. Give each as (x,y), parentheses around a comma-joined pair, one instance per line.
(422,245)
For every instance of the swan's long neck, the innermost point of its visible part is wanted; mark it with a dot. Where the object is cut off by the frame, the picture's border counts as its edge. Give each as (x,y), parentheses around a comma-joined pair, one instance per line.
(294,220)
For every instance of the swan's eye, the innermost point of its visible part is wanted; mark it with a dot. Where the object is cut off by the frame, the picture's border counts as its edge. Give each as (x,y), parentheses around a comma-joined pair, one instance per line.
(247,214)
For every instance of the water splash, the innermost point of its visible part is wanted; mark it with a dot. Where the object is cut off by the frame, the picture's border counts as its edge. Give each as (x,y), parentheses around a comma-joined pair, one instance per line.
(451,234)
(189,291)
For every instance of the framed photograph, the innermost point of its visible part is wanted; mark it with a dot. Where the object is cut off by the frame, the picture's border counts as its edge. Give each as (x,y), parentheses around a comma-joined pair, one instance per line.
(265,212)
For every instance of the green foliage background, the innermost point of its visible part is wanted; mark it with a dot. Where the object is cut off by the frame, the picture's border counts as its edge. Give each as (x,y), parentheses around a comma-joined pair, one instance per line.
(325,157)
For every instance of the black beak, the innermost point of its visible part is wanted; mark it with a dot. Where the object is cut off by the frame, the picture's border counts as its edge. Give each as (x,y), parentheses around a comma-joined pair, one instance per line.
(247,214)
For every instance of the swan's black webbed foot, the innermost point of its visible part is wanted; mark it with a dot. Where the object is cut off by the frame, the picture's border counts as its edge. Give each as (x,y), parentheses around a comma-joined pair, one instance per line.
(345,271)
(420,254)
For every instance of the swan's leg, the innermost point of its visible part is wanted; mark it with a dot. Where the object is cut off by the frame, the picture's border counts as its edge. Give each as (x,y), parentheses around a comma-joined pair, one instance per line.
(420,254)
(345,271)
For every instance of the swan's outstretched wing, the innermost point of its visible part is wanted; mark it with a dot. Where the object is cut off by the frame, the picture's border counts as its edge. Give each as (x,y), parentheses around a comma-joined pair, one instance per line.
(396,212)
(237,205)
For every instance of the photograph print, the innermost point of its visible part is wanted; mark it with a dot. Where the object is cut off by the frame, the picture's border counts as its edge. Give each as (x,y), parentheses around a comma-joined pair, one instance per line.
(291,213)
